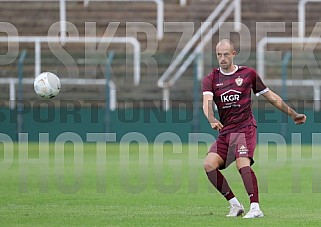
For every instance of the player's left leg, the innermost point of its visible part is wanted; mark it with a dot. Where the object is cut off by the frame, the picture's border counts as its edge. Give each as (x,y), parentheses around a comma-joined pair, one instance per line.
(251,186)
(245,143)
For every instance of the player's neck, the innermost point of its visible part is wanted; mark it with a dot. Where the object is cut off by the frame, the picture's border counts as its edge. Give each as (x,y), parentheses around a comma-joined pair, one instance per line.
(230,70)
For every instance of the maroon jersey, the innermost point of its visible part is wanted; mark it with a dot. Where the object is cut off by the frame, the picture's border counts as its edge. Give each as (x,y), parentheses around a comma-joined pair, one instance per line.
(232,96)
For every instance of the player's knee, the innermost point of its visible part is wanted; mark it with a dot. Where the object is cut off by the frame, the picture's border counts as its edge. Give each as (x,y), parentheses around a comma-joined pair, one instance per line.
(243,162)
(210,165)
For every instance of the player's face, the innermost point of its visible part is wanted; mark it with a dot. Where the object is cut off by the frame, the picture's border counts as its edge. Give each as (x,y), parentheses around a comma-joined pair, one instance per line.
(225,56)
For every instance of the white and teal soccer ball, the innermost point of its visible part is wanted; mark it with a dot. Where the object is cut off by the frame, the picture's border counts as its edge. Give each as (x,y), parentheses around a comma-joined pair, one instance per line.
(47,85)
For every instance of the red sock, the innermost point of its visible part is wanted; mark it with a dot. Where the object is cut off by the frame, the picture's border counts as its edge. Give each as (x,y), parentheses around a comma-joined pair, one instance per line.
(250,183)
(220,183)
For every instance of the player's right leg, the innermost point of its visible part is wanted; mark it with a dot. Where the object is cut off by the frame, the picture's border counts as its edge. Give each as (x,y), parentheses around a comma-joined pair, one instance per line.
(212,164)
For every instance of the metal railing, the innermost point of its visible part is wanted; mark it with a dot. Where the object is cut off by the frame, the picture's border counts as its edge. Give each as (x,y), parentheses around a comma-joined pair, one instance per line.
(260,50)
(301,39)
(260,59)
(160,12)
(315,84)
(37,40)
(170,76)
(301,9)
(63,14)
(102,82)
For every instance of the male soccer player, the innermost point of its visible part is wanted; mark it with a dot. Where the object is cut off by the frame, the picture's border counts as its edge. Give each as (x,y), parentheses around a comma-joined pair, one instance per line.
(229,86)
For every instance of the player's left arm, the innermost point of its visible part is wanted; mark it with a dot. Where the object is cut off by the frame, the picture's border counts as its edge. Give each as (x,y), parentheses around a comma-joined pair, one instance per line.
(277,101)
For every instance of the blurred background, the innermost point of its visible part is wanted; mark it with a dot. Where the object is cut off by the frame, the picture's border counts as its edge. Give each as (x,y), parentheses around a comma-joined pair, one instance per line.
(137,66)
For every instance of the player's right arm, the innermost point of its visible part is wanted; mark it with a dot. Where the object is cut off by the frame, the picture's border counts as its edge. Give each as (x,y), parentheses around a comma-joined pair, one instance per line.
(209,113)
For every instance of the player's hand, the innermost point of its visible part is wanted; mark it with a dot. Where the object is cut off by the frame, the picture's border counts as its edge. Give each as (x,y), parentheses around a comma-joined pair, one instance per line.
(217,125)
(299,119)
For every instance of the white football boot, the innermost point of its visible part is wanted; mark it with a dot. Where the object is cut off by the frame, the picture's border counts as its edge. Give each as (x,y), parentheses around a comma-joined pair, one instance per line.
(235,210)
(254,213)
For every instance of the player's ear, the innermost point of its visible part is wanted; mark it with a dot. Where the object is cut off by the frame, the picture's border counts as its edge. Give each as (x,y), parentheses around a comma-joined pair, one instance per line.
(234,52)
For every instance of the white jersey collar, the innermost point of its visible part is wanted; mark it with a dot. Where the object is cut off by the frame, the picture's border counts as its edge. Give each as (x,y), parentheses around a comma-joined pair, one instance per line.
(231,73)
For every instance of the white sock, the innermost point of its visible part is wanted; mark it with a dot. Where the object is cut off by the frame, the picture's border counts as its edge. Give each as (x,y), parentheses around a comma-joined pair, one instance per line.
(234,201)
(255,206)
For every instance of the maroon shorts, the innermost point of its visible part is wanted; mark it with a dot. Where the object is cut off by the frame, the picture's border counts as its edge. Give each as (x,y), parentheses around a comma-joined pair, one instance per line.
(234,145)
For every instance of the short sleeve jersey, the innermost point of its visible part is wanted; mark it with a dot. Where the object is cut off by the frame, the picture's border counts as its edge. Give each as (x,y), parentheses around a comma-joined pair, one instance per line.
(232,96)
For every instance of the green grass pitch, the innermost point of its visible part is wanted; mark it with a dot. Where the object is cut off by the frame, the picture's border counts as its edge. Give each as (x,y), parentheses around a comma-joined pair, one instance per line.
(150,185)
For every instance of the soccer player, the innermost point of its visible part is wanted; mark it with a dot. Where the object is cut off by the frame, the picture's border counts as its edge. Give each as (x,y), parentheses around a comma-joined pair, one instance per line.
(229,86)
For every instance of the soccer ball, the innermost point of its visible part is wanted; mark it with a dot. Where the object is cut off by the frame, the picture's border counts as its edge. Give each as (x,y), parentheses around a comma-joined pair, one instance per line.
(47,85)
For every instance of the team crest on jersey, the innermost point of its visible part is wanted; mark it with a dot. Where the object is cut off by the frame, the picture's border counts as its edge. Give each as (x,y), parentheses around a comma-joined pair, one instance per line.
(239,81)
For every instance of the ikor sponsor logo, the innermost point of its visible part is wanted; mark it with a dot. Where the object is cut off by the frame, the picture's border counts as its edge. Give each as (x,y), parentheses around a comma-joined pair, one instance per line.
(230,96)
